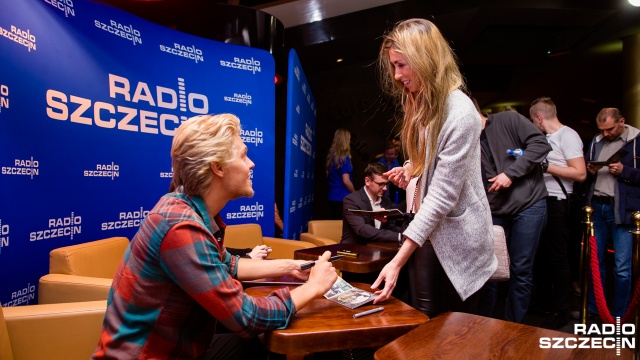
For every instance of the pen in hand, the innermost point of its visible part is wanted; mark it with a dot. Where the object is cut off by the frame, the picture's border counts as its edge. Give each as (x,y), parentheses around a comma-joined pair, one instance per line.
(311,264)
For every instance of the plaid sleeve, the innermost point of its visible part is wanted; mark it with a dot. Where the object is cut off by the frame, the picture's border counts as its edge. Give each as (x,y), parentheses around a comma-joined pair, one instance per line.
(192,259)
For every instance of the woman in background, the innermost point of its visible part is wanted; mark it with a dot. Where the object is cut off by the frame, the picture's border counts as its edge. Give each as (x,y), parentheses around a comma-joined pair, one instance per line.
(451,232)
(338,167)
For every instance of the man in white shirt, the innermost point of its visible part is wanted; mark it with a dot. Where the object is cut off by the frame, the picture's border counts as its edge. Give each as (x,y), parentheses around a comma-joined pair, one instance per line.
(565,165)
(358,229)
(361,230)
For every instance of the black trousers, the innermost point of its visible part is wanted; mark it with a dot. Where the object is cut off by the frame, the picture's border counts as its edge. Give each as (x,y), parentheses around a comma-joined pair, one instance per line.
(552,265)
(431,291)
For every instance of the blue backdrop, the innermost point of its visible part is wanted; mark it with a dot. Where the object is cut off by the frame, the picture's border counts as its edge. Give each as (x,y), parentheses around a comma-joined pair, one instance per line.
(300,151)
(90,98)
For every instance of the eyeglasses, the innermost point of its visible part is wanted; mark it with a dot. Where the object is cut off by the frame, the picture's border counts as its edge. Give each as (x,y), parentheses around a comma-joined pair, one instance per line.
(381,184)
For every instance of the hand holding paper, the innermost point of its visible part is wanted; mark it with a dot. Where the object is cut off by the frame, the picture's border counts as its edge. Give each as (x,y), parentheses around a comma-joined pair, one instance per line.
(612,159)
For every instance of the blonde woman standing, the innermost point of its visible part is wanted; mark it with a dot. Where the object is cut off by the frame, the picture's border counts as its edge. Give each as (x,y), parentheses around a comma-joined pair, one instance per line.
(451,233)
(339,170)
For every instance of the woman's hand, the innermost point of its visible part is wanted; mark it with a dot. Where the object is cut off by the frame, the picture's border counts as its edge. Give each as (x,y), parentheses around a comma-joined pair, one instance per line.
(400,175)
(389,275)
(391,271)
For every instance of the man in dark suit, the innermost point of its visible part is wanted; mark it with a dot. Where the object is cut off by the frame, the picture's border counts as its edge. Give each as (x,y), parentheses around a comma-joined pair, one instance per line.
(358,229)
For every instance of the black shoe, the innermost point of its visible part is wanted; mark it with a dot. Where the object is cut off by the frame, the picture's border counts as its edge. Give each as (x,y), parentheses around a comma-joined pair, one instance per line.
(557,320)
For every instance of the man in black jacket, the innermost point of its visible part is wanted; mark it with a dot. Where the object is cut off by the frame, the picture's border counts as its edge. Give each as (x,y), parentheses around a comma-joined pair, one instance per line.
(358,229)
(512,150)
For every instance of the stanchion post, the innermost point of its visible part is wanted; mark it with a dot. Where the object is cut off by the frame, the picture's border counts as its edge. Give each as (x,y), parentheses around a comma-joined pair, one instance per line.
(585,252)
(635,218)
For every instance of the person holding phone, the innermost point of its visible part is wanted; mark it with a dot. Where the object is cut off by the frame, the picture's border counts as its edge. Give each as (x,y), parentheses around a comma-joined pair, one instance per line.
(614,192)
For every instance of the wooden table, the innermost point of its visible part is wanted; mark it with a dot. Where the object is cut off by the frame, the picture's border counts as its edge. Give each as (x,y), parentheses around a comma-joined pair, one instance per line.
(324,325)
(387,245)
(466,336)
(369,258)
(277,281)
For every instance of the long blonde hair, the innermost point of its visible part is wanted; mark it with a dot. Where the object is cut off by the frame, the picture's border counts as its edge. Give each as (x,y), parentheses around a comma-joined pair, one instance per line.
(434,64)
(340,149)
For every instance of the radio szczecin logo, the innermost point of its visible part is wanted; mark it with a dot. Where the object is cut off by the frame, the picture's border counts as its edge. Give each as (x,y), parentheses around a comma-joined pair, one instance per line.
(104,170)
(4,235)
(124,31)
(126,219)
(245,99)
(596,336)
(250,64)
(27,167)
(255,211)
(124,118)
(59,227)
(4,97)
(66,6)
(22,297)
(189,52)
(252,136)
(19,36)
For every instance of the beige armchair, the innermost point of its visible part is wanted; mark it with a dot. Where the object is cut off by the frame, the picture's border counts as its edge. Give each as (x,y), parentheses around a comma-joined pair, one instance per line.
(81,272)
(323,232)
(250,235)
(53,331)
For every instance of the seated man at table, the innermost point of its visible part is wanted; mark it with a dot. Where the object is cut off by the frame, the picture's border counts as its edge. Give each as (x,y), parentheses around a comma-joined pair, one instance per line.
(361,230)
(177,286)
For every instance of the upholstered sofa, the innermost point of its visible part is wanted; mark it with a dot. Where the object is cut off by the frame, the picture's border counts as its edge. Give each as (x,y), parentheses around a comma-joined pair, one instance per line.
(52,332)
(250,235)
(84,272)
(323,232)
(81,272)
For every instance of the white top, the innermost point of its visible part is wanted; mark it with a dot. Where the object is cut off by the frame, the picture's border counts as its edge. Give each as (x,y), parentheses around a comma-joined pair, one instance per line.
(375,205)
(565,145)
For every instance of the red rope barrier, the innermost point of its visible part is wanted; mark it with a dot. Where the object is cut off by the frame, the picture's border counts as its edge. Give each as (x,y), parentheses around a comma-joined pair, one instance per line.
(601,302)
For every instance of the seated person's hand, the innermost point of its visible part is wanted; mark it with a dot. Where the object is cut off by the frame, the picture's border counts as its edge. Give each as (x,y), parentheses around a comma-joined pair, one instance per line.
(298,273)
(381,218)
(260,252)
(323,275)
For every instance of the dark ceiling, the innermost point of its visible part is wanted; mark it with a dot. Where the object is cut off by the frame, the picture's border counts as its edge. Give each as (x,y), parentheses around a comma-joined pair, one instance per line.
(510,51)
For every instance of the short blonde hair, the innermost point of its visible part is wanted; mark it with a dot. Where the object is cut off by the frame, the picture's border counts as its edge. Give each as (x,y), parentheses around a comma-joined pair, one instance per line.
(543,106)
(198,143)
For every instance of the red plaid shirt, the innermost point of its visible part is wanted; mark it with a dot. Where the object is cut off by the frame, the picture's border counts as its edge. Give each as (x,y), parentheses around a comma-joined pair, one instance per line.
(175,281)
